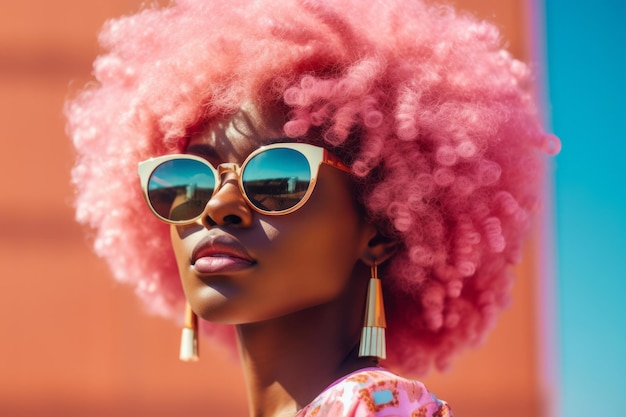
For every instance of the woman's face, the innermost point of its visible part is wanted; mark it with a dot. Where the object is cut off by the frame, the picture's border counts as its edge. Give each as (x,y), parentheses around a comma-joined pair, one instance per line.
(239,266)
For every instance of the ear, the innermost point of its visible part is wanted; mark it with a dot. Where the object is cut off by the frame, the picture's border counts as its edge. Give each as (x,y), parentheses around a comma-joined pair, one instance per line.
(379,248)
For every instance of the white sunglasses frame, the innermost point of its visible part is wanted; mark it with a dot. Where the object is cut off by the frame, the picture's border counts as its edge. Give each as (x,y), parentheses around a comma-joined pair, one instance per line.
(315,156)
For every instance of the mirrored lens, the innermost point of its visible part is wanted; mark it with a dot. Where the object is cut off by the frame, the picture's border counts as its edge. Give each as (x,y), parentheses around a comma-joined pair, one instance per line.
(276,179)
(180,189)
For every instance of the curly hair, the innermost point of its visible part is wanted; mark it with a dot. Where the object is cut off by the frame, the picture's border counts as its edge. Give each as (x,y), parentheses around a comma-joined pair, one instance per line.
(435,119)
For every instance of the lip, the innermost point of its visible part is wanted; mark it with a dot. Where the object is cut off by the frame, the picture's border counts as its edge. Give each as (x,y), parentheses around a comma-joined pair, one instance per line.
(218,254)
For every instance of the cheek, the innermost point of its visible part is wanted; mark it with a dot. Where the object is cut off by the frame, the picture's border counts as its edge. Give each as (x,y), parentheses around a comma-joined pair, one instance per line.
(314,252)
(176,237)
(181,247)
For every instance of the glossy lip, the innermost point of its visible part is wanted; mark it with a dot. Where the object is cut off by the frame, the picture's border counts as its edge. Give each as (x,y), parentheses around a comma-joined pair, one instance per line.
(234,254)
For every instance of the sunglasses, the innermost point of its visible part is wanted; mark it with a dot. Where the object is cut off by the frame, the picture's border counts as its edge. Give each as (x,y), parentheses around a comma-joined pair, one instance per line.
(275,179)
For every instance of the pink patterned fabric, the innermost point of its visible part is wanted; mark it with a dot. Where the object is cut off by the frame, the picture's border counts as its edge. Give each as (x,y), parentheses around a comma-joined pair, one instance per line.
(376,392)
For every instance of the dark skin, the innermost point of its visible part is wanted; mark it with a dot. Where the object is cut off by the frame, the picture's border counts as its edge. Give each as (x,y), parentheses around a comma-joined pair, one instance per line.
(294,285)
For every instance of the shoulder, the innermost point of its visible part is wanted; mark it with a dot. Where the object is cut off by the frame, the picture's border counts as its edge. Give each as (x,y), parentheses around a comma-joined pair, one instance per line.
(376,393)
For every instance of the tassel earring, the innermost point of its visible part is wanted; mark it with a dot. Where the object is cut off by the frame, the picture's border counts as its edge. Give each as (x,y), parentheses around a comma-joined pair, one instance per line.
(189,337)
(373,335)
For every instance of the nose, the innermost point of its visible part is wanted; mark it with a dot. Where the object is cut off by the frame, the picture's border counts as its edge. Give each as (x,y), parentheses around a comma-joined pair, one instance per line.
(227,206)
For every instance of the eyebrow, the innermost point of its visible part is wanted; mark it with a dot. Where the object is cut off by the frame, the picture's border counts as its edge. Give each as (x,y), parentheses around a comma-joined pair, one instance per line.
(282,139)
(208,151)
(203,150)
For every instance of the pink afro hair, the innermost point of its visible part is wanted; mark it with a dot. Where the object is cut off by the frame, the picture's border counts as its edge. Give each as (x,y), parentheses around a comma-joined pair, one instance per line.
(434,118)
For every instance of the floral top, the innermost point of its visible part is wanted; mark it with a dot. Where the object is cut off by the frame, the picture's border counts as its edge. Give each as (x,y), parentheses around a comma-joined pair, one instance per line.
(375,392)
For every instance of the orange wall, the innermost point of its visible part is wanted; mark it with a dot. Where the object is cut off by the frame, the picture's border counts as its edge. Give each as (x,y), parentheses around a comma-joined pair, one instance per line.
(74,342)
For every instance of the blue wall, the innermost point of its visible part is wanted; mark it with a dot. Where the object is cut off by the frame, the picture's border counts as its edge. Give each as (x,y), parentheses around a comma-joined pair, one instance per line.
(586,52)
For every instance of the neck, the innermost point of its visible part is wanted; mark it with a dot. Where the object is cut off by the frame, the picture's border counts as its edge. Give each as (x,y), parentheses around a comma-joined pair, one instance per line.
(289,360)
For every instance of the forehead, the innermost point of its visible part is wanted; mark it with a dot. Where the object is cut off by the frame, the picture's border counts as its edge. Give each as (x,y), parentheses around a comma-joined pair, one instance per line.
(234,137)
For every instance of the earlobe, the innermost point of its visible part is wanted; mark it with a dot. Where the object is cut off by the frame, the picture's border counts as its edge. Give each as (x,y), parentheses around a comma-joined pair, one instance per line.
(379,249)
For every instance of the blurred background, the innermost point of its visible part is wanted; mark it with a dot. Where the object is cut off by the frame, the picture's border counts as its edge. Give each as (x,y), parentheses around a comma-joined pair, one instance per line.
(75,343)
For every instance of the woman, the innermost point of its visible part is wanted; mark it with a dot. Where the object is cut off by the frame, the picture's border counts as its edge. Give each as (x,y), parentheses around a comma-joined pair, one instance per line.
(298,157)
